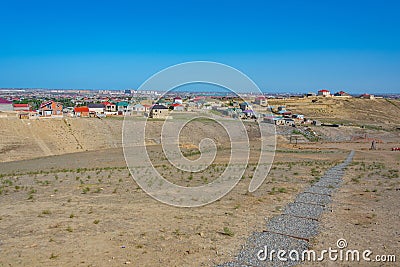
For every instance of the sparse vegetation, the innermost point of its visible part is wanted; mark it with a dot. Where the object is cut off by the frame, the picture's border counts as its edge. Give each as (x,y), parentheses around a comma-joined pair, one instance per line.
(227,231)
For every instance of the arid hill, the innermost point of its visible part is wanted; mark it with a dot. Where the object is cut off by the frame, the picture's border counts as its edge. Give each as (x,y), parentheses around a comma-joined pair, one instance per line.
(23,139)
(368,112)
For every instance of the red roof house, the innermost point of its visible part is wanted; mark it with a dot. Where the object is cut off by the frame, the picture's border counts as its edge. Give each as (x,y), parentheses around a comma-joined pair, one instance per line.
(81,111)
(21,107)
(324,92)
(109,107)
(178,100)
(177,107)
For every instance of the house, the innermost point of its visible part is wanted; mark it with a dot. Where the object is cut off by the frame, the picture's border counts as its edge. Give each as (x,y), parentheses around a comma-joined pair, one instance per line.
(245,106)
(316,123)
(191,106)
(279,121)
(129,109)
(299,117)
(177,107)
(283,112)
(281,109)
(311,94)
(110,107)
(324,92)
(81,111)
(248,114)
(158,111)
(96,108)
(270,119)
(139,108)
(367,96)
(21,107)
(122,107)
(286,114)
(50,108)
(178,100)
(23,115)
(231,112)
(342,94)
(285,122)
(5,105)
(261,100)
(146,107)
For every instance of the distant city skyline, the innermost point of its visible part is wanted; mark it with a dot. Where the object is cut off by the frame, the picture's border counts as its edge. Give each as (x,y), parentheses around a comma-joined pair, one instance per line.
(199,90)
(284,46)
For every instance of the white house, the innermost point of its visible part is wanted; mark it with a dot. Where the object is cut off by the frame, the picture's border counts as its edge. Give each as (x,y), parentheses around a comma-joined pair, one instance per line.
(139,108)
(96,108)
(178,100)
(324,92)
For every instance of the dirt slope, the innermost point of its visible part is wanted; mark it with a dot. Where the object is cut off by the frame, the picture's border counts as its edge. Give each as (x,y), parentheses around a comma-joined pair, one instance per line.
(22,139)
(370,112)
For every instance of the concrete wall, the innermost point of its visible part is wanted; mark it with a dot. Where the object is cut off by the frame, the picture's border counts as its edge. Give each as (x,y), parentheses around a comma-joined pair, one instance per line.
(6,107)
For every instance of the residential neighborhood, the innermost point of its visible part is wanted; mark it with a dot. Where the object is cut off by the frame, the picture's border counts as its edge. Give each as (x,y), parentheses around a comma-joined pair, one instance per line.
(38,104)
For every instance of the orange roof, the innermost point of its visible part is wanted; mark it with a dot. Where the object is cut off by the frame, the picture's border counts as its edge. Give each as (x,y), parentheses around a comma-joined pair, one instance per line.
(81,109)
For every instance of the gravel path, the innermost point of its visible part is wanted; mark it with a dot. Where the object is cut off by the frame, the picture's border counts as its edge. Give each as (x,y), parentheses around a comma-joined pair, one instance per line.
(292,230)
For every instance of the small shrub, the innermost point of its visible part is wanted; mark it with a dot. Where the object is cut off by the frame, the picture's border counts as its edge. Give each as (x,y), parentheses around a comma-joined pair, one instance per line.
(85,190)
(228,231)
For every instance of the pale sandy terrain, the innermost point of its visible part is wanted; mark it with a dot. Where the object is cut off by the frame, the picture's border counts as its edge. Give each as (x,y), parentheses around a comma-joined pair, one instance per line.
(366,210)
(67,198)
(23,139)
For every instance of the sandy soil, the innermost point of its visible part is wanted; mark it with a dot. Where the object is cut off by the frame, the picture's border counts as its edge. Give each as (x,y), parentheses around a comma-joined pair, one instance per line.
(67,198)
(91,215)
(365,211)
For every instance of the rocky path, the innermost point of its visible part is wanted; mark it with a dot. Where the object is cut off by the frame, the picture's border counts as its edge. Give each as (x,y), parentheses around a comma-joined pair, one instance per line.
(292,230)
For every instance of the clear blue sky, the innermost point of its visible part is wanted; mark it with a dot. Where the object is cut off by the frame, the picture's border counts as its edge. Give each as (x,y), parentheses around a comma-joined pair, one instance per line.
(284,45)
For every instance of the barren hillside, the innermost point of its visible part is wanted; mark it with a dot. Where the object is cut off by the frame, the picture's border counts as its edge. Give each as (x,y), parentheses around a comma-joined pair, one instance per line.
(22,139)
(376,112)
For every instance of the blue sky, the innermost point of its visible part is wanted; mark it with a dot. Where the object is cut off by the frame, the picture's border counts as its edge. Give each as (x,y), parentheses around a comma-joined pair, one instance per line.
(295,46)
